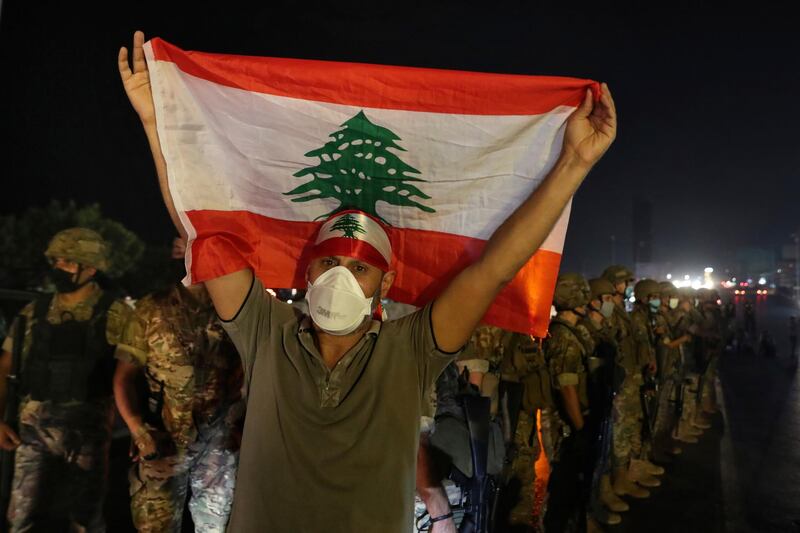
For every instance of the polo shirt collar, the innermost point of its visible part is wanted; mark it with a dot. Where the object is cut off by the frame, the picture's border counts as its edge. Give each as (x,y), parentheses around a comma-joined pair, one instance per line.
(306,326)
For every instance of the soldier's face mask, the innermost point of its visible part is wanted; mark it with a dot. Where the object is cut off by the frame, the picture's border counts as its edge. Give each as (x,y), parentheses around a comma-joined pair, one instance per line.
(628,291)
(607,309)
(336,302)
(655,303)
(66,282)
(673,303)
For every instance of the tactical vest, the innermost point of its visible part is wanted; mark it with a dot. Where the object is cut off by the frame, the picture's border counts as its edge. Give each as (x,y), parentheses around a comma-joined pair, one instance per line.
(530,369)
(70,361)
(646,318)
(626,346)
(582,378)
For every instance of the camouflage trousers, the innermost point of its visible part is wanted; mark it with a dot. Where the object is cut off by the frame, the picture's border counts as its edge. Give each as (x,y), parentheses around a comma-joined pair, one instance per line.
(551,432)
(666,417)
(690,399)
(708,395)
(627,423)
(61,467)
(159,488)
(526,444)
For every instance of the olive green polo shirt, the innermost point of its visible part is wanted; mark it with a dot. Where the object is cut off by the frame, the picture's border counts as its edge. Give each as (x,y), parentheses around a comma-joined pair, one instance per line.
(329,450)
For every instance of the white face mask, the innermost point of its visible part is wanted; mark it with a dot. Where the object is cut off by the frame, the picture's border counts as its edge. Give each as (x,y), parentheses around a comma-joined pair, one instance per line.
(673,303)
(607,309)
(336,302)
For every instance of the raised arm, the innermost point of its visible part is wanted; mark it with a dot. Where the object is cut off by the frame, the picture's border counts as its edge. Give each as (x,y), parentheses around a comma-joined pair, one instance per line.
(227,292)
(456,312)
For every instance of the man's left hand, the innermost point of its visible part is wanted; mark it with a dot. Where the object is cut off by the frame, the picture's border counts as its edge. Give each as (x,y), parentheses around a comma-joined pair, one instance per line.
(591,128)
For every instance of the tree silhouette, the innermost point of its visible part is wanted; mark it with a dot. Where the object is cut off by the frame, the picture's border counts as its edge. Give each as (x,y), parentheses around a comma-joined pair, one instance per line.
(357,169)
(349,225)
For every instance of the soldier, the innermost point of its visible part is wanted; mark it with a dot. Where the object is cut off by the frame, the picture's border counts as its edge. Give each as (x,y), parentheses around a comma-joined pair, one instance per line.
(526,366)
(186,434)
(710,333)
(66,411)
(684,321)
(566,350)
(627,406)
(605,377)
(643,322)
(670,363)
(482,358)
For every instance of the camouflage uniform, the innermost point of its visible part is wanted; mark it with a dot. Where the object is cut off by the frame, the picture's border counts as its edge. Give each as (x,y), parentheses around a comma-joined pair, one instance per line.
(686,323)
(669,377)
(484,353)
(61,467)
(525,364)
(627,406)
(710,333)
(178,340)
(644,337)
(566,351)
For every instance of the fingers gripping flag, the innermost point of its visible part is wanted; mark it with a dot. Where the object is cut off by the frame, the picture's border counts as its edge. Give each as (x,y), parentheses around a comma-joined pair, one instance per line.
(262,151)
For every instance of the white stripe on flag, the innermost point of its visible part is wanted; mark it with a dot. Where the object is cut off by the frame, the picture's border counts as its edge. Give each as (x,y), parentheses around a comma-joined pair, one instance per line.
(238,150)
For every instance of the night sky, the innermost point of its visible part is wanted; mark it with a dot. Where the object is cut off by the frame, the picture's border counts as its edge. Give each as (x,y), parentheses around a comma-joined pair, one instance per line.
(709,103)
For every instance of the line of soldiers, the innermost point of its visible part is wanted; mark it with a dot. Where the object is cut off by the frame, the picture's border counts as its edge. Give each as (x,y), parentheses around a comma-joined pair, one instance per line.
(176,379)
(616,393)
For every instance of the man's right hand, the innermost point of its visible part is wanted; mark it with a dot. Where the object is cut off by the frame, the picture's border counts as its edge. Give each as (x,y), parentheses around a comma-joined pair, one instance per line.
(144,446)
(9,440)
(137,81)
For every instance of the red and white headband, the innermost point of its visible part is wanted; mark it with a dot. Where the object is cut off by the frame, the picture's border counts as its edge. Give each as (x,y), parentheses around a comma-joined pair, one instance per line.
(355,234)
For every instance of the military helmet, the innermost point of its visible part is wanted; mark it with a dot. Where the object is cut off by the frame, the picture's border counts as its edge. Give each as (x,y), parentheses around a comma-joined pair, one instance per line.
(617,274)
(668,290)
(599,287)
(687,293)
(705,295)
(572,292)
(644,288)
(80,245)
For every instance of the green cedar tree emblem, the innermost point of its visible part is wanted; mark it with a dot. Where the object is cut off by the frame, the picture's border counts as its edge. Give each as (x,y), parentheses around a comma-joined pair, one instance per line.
(357,169)
(349,225)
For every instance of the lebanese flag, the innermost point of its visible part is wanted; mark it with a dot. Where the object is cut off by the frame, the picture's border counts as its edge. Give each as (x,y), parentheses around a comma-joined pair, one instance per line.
(261,151)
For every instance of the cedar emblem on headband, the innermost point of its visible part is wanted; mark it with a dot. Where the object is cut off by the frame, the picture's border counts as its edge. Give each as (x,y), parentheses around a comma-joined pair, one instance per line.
(358,169)
(355,234)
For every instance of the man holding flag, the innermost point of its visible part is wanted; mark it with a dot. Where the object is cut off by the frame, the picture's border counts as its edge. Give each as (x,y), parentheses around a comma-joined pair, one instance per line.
(333,400)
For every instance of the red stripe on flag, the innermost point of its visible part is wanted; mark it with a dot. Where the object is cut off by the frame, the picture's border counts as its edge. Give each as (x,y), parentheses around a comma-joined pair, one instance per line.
(278,251)
(382,86)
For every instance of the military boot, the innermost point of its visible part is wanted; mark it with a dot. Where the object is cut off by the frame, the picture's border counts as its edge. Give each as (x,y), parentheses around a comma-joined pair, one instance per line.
(605,517)
(684,433)
(593,525)
(624,486)
(608,498)
(701,421)
(693,430)
(637,472)
(652,469)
